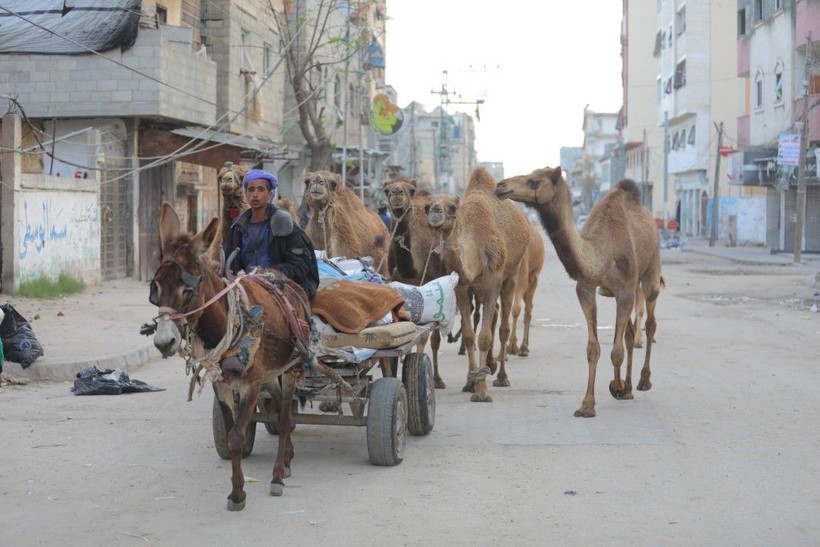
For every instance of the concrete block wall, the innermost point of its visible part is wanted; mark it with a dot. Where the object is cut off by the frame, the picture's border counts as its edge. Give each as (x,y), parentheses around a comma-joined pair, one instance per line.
(99,86)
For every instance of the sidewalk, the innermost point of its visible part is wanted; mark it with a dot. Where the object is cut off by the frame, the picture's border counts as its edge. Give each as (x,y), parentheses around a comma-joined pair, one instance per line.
(101,326)
(97,327)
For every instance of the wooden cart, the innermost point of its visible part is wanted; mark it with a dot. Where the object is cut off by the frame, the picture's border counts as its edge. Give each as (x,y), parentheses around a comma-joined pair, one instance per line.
(388,407)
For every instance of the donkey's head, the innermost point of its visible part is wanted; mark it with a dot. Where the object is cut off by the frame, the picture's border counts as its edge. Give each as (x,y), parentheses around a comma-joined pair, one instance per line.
(175,288)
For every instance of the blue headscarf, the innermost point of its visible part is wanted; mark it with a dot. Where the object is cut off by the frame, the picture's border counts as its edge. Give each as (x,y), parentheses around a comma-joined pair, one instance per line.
(254,174)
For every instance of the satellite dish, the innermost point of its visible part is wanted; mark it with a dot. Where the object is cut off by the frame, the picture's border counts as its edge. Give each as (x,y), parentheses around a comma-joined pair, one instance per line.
(385,117)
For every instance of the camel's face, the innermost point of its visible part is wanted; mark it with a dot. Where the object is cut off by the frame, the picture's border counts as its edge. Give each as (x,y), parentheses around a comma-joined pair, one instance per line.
(538,187)
(318,188)
(441,212)
(399,195)
(230,181)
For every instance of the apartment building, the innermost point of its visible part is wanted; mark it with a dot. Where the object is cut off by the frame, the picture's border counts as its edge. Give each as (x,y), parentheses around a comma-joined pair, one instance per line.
(773,46)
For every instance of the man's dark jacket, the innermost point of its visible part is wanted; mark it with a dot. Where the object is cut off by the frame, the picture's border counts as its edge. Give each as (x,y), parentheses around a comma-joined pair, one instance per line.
(289,248)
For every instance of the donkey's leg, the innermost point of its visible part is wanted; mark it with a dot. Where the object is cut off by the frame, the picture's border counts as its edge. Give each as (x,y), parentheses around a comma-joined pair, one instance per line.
(586,297)
(236,438)
(284,454)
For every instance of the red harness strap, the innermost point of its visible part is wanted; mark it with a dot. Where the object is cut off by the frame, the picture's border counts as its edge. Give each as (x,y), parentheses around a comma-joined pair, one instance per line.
(298,326)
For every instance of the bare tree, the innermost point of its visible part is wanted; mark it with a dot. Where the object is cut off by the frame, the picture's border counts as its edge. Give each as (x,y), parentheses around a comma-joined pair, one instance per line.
(315,40)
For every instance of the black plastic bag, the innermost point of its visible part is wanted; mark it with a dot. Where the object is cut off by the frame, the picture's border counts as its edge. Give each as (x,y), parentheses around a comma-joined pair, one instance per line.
(19,342)
(92,381)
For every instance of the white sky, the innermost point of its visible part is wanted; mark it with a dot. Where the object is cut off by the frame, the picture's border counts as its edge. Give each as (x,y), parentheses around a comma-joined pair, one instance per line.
(537,63)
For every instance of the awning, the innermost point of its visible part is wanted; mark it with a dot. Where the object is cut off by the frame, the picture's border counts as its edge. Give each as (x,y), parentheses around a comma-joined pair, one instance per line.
(267,148)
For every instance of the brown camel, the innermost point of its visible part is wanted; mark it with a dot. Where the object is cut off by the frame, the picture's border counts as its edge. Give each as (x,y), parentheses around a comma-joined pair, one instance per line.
(484,240)
(525,287)
(340,223)
(413,257)
(617,250)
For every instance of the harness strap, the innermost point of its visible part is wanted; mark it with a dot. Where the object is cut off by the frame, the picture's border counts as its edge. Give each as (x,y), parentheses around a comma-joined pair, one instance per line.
(298,326)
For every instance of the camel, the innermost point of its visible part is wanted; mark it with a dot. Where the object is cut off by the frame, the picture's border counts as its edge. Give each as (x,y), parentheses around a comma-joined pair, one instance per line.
(617,250)
(484,240)
(340,223)
(525,287)
(412,256)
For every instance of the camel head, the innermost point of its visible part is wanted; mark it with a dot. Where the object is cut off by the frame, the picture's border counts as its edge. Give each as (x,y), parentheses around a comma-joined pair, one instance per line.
(441,212)
(230,181)
(319,187)
(399,192)
(537,188)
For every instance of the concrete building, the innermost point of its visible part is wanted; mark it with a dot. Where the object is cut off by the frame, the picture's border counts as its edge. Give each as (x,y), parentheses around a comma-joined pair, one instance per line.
(600,135)
(772,51)
(696,91)
(181,88)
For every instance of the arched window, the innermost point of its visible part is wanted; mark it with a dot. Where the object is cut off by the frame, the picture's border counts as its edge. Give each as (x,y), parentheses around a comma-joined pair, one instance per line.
(759,88)
(778,82)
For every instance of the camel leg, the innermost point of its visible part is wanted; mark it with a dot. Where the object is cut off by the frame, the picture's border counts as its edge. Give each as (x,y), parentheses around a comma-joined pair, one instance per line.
(644,384)
(435,343)
(508,297)
(490,361)
(624,304)
(467,336)
(237,417)
(512,345)
(529,294)
(586,297)
(639,307)
(485,345)
(285,452)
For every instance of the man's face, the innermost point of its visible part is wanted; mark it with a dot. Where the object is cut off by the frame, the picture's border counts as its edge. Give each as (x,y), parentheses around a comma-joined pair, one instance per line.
(257,193)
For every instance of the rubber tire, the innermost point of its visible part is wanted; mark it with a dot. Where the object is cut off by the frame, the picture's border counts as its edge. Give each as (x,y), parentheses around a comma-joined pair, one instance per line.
(417,377)
(387,422)
(221,436)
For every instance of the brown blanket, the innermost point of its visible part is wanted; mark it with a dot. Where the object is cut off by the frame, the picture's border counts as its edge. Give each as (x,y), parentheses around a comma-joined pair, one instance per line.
(349,306)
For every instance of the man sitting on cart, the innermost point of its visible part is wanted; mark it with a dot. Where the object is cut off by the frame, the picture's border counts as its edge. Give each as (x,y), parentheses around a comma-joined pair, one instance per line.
(266,236)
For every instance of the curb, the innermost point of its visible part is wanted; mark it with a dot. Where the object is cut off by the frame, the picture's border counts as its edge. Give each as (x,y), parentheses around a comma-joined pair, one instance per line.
(66,372)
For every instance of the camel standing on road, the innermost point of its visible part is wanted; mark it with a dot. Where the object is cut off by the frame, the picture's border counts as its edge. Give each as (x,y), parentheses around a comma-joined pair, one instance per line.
(484,240)
(525,287)
(617,249)
(413,257)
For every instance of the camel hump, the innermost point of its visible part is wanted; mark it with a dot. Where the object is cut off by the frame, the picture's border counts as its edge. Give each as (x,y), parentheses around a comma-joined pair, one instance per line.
(481,179)
(630,188)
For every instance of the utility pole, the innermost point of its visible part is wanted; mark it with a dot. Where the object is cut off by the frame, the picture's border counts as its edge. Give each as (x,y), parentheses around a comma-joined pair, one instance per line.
(443,152)
(715,197)
(665,169)
(804,149)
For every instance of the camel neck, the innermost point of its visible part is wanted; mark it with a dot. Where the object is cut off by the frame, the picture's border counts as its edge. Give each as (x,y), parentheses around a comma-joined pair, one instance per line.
(571,248)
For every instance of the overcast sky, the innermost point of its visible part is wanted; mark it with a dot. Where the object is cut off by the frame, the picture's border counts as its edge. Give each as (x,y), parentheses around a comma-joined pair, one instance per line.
(535,63)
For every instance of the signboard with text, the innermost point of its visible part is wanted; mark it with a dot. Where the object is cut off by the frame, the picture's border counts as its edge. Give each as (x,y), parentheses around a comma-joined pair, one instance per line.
(788,149)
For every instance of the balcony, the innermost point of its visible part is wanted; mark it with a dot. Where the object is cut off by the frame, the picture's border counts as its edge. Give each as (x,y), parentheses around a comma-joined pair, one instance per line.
(160,77)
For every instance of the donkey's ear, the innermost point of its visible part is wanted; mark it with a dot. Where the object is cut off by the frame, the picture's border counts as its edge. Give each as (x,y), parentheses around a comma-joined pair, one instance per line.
(168,225)
(201,243)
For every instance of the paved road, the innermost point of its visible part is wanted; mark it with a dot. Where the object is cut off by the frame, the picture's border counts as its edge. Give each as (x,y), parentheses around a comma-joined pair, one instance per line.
(722,451)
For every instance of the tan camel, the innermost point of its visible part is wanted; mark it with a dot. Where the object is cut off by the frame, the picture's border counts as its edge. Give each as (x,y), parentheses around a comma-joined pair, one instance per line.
(484,240)
(617,250)
(413,257)
(340,223)
(525,287)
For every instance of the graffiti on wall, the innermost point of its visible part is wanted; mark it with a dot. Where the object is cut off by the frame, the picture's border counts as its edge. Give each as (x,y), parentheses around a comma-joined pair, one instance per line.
(58,231)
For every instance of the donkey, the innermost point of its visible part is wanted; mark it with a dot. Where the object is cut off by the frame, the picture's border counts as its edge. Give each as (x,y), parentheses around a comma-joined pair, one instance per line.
(198,307)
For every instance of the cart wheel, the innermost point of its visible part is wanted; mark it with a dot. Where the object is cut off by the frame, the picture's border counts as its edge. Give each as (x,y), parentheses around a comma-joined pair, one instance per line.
(221,436)
(417,377)
(387,422)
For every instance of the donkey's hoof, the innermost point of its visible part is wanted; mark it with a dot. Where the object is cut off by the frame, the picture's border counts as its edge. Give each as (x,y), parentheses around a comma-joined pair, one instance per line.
(234,506)
(276,488)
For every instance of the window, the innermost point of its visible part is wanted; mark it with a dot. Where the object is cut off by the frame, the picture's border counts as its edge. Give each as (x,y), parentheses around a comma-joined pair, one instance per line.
(680,74)
(683,138)
(669,36)
(692,135)
(759,89)
(758,7)
(162,14)
(741,22)
(244,53)
(680,21)
(658,44)
(778,5)
(778,82)
(659,84)
(267,59)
